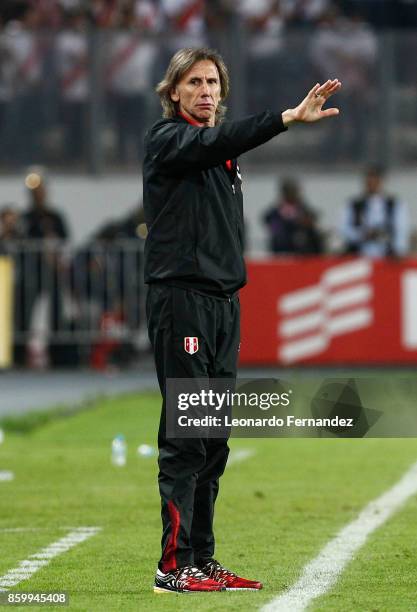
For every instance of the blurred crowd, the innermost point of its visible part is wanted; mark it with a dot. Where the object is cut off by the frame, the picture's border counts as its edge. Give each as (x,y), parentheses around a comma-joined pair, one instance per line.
(201,15)
(72,305)
(374,223)
(83,304)
(76,74)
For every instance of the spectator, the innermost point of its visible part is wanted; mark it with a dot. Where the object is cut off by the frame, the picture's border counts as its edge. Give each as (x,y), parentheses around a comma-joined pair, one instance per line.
(264,23)
(347,47)
(41,221)
(50,13)
(6,90)
(129,74)
(375,224)
(185,23)
(72,63)
(132,231)
(148,14)
(9,227)
(217,15)
(302,13)
(45,276)
(385,13)
(292,224)
(25,49)
(103,13)
(105,275)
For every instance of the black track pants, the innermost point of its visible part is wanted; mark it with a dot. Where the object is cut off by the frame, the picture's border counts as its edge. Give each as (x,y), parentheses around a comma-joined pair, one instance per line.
(189,469)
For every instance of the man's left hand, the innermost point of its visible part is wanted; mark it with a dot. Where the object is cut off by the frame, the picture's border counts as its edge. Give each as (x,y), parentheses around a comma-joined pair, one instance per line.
(310,109)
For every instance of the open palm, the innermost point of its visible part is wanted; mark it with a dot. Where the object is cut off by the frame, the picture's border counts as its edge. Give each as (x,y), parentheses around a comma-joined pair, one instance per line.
(310,109)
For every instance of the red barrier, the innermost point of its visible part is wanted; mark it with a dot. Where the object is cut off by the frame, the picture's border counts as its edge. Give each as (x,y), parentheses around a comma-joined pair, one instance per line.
(329,310)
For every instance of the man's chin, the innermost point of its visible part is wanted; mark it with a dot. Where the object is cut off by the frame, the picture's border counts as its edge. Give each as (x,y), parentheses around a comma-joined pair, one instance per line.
(205,115)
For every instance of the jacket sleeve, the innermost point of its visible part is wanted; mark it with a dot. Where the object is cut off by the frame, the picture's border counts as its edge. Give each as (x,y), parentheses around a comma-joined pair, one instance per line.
(178,145)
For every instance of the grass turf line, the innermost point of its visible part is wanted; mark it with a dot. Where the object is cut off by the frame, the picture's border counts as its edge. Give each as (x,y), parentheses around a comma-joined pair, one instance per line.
(274,513)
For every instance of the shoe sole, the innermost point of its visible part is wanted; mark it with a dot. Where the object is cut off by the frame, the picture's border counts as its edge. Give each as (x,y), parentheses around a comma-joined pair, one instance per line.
(242,589)
(162,591)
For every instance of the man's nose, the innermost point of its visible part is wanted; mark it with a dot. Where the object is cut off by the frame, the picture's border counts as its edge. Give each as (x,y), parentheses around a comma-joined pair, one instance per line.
(205,88)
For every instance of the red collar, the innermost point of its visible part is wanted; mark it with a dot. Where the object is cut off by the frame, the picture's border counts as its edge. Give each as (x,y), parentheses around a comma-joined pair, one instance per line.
(190,121)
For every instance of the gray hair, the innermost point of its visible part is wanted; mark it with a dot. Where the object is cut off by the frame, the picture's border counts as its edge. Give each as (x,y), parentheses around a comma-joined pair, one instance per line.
(180,63)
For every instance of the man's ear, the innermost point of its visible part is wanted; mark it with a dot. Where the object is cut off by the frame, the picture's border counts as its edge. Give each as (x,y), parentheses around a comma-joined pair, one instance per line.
(174,95)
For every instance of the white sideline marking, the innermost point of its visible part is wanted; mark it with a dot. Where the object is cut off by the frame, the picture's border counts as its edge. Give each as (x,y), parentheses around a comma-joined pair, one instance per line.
(22,529)
(29,566)
(240,455)
(322,572)
(6,476)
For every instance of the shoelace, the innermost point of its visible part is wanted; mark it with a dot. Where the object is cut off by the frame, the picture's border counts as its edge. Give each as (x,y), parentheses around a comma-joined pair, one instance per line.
(218,572)
(190,571)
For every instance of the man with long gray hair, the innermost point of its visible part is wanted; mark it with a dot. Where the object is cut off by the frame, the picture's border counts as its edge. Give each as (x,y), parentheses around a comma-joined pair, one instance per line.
(194,267)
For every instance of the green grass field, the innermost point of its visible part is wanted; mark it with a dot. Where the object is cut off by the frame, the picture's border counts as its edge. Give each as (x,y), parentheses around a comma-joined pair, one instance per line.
(276,509)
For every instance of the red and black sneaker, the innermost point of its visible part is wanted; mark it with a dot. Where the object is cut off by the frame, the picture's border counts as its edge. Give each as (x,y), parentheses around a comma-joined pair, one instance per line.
(188,579)
(229,579)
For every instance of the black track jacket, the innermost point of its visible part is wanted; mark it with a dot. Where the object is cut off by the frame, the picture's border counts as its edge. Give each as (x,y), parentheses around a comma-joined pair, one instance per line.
(193,201)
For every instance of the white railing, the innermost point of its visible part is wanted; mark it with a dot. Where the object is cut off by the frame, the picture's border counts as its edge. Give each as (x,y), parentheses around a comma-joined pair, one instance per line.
(81,297)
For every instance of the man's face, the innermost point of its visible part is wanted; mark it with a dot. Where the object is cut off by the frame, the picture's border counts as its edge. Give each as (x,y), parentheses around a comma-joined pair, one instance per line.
(373,183)
(198,93)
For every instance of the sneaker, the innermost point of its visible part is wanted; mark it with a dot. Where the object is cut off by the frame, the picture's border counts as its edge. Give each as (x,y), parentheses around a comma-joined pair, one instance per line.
(188,579)
(229,579)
